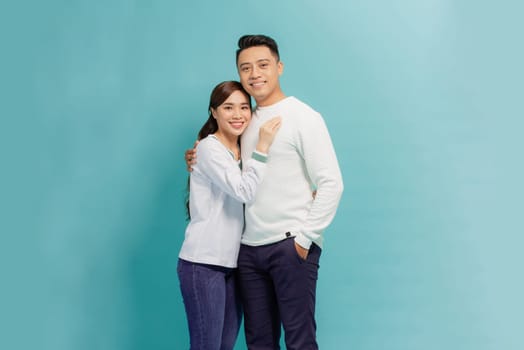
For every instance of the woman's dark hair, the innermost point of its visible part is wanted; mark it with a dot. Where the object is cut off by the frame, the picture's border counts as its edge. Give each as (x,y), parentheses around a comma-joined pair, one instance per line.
(247,41)
(219,95)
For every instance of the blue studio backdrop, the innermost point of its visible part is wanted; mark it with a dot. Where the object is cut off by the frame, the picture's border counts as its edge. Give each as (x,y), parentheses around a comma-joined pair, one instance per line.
(101,98)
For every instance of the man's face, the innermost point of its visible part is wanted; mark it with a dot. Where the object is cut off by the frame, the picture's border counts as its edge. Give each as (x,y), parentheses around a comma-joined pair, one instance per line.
(259,71)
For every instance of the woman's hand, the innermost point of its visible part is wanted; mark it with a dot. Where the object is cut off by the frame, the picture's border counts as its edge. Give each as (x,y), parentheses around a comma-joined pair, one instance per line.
(267,133)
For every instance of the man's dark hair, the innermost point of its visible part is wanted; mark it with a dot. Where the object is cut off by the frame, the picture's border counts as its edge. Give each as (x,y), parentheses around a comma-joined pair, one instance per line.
(248,41)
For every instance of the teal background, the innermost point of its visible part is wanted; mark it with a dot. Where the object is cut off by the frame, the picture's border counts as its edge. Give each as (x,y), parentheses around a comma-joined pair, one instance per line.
(423,101)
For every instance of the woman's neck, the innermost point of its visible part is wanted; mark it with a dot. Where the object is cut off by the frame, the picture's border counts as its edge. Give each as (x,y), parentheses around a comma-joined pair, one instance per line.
(231,143)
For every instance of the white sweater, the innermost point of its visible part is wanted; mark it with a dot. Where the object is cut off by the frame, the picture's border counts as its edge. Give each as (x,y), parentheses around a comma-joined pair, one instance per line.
(301,159)
(218,189)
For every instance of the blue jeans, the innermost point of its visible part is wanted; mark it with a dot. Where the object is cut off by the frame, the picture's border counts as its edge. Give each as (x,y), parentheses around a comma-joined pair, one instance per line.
(212,305)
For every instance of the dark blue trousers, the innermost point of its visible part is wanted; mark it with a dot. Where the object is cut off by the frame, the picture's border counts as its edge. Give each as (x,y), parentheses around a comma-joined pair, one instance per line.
(278,288)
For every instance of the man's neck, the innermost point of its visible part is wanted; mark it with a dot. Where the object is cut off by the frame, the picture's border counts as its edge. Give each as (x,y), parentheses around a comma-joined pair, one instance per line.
(275,98)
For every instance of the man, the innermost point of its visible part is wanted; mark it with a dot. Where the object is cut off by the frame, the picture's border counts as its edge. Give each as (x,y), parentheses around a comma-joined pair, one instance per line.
(282,239)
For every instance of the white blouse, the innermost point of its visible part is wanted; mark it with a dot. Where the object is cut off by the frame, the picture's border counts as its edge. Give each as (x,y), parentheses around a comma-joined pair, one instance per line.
(218,189)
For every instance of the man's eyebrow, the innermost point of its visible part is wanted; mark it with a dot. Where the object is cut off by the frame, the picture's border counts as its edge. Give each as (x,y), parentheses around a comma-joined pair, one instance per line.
(258,61)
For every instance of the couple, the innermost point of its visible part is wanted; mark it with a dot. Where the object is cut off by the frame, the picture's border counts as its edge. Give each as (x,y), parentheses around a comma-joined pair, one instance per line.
(268,266)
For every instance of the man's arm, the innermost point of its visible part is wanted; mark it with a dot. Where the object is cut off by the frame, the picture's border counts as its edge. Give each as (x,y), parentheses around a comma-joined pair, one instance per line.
(322,166)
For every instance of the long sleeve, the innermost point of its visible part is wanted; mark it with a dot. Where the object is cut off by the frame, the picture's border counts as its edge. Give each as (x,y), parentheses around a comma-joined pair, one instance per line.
(216,164)
(321,163)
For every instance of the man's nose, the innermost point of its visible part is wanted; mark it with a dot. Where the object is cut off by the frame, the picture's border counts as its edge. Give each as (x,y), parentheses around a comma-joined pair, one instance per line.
(254,73)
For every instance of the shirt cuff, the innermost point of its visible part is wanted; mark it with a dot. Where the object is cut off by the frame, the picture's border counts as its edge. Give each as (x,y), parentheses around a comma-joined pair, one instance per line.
(302,241)
(261,157)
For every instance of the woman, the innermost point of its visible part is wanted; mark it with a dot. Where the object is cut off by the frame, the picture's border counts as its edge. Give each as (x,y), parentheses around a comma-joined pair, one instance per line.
(218,189)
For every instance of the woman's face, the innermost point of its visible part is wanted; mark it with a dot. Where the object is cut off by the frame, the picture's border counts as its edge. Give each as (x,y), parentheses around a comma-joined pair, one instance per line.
(234,115)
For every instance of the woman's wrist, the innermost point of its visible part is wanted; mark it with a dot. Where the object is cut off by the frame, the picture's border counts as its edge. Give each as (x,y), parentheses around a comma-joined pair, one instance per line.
(262,148)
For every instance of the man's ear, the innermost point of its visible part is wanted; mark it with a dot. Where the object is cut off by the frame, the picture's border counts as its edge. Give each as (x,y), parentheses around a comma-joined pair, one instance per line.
(280,67)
